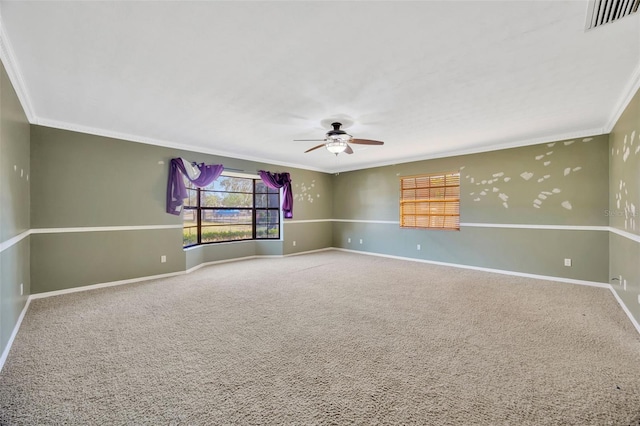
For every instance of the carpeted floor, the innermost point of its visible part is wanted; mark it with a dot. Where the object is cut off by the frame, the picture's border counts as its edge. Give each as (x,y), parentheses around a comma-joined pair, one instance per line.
(329,338)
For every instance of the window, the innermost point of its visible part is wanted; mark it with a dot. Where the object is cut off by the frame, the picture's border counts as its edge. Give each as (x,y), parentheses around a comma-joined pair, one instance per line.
(230,209)
(430,201)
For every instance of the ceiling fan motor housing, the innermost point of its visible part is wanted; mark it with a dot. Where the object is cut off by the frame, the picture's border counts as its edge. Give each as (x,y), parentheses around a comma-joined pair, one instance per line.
(336,133)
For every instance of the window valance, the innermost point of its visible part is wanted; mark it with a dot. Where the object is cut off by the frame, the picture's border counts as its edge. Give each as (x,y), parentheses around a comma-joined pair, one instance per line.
(200,175)
(277,181)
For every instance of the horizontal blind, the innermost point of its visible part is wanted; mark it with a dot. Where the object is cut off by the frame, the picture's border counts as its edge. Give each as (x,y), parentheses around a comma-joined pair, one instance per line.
(430,201)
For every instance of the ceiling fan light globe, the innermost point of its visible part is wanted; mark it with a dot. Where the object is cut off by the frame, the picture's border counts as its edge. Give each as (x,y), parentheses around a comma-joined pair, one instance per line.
(336,146)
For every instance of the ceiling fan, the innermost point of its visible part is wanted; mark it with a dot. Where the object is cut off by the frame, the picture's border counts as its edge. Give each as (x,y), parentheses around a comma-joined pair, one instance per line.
(337,141)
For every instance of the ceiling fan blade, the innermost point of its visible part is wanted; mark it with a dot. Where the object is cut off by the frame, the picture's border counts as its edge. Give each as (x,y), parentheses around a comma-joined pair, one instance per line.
(366,142)
(308,140)
(348,150)
(315,147)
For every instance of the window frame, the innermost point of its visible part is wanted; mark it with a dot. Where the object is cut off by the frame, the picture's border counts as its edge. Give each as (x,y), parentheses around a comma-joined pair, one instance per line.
(198,210)
(450,190)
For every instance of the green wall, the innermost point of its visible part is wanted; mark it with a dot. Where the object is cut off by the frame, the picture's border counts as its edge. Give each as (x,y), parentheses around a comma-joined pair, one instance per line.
(540,188)
(14,208)
(88,181)
(120,183)
(624,206)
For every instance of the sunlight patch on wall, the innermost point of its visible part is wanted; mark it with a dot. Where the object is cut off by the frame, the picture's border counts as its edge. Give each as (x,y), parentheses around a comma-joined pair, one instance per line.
(304,192)
(526,175)
(623,201)
(533,175)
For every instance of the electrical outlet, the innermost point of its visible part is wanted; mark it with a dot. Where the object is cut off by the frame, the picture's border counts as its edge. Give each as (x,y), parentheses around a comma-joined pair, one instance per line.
(639,299)
(21,289)
(163,259)
(360,240)
(294,243)
(418,247)
(349,240)
(567,262)
(624,285)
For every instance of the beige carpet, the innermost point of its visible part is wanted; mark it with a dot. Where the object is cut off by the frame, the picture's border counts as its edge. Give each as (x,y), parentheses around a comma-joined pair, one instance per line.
(330,338)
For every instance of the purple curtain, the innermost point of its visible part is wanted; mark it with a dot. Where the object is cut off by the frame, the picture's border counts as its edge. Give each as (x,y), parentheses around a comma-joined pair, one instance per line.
(277,181)
(176,191)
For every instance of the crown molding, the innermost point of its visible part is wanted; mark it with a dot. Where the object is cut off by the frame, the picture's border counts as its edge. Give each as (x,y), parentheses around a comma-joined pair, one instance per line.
(13,70)
(628,93)
(166,144)
(598,131)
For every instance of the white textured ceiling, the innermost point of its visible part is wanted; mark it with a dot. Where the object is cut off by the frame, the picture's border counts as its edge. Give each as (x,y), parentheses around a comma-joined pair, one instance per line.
(244,79)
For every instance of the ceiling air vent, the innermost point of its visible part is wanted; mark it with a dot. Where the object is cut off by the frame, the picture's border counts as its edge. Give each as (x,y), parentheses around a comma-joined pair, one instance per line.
(602,12)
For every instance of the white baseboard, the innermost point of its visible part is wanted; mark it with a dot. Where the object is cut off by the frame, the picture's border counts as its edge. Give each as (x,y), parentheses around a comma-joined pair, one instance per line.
(172,274)
(102,285)
(257,256)
(625,309)
(155,277)
(480,268)
(309,251)
(14,333)
(517,274)
(217,262)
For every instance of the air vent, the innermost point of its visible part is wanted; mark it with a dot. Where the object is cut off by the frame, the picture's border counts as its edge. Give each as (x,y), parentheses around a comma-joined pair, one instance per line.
(602,12)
